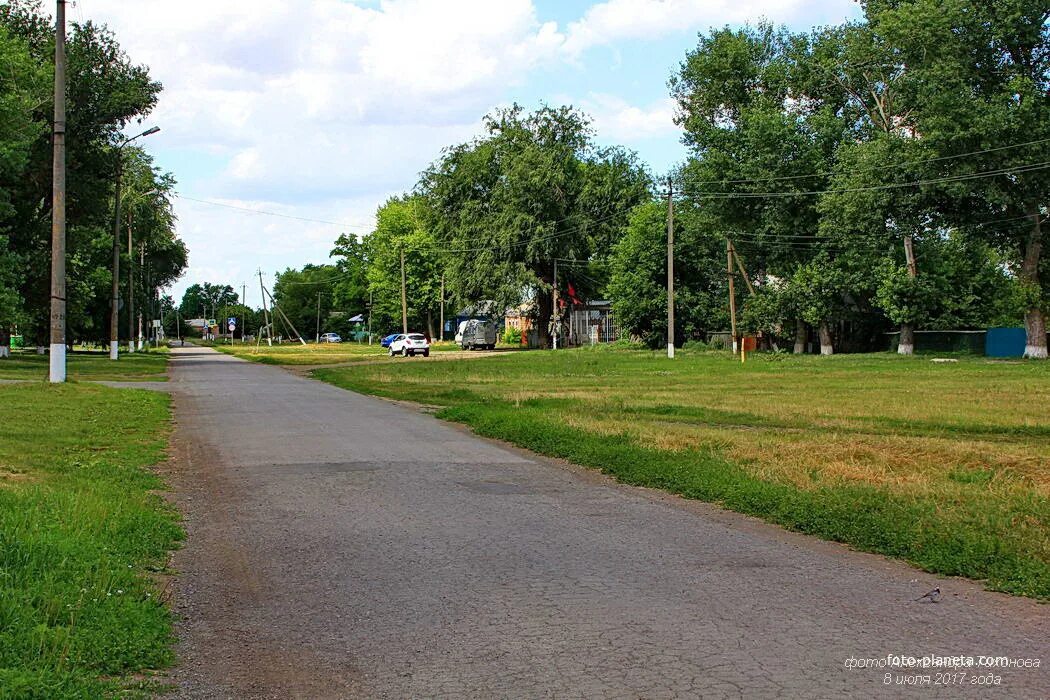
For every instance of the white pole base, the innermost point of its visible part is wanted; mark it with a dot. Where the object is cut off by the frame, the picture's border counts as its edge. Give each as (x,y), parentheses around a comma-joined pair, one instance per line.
(114,350)
(670,351)
(1035,352)
(58,363)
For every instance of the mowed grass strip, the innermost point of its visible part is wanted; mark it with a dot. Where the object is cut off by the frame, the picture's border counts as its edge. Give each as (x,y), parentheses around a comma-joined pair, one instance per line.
(317,353)
(90,365)
(81,531)
(944,465)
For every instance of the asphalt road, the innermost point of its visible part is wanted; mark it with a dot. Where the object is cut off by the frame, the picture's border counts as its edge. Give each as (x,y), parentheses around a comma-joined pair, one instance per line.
(344,546)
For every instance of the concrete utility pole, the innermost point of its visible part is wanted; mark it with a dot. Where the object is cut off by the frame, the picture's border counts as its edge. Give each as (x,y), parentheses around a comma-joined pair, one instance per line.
(244,303)
(318,339)
(732,293)
(266,315)
(906,346)
(131,288)
(114,331)
(57,369)
(404,296)
(554,307)
(670,270)
(441,331)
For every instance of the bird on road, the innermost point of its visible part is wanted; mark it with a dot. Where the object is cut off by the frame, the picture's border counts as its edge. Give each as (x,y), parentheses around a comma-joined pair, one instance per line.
(930,597)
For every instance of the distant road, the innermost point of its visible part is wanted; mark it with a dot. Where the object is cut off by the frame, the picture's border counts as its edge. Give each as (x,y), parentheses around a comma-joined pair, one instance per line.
(344,546)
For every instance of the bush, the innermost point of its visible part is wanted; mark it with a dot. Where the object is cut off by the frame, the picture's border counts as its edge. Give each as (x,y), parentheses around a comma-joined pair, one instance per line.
(511,336)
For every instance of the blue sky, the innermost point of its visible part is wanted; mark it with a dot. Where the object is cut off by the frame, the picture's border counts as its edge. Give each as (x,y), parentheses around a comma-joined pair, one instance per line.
(324,109)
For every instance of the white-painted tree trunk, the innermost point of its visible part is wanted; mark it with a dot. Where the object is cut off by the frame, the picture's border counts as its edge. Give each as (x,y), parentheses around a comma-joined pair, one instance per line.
(826,345)
(907,343)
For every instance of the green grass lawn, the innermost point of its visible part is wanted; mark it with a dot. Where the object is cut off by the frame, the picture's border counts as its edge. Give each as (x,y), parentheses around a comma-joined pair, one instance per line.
(81,530)
(316,353)
(90,365)
(944,465)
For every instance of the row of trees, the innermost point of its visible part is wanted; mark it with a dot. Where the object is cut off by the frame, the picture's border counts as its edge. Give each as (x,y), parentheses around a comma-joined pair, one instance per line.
(827,156)
(106,92)
(884,174)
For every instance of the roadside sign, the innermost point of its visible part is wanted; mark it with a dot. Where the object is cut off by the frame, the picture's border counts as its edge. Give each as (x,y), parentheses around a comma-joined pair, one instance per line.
(232,326)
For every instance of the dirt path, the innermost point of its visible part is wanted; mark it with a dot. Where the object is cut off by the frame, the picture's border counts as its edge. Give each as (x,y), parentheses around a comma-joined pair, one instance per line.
(343,546)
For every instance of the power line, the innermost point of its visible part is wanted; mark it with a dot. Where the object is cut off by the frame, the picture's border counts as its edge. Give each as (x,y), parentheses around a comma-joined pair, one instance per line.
(1031,167)
(873,168)
(269,213)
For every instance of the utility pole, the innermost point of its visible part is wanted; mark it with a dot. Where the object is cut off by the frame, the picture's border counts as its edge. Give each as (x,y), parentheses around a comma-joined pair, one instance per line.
(732,294)
(266,315)
(318,339)
(554,307)
(57,361)
(131,288)
(670,270)
(244,303)
(441,332)
(404,296)
(131,293)
(369,316)
(114,331)
(906,346)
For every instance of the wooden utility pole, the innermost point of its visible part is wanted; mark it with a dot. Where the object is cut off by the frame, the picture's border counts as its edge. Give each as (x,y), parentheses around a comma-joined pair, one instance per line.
(404,296)
(732,293)
(57,369)
(670,270)
(740,266)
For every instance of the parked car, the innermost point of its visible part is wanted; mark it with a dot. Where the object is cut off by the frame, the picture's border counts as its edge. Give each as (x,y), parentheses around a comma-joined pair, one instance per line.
(385,342)
(477,334)
(411,344)
(331,338)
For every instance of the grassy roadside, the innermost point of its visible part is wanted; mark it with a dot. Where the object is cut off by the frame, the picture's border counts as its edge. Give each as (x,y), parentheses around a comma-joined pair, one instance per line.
(81,529)
(90,365)
(945,466)
(315,353)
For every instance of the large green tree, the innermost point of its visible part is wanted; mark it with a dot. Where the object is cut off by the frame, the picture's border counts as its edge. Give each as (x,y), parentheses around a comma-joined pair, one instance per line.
(981,85)
(401,230)
(762,125)
(638,279)
(106,93)
(534,188)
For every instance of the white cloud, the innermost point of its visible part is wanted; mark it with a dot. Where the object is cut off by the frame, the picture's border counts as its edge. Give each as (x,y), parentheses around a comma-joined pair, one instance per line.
(617,120)
(322,109)
(615,20)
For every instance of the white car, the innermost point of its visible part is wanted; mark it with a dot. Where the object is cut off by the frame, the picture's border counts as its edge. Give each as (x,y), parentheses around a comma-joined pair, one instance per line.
(411,344)
(331,338)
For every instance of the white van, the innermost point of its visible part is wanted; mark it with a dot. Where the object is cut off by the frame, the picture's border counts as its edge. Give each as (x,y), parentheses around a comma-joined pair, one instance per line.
(476,334)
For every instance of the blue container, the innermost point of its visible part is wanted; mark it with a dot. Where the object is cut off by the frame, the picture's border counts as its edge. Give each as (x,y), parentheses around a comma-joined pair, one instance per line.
(1004,342)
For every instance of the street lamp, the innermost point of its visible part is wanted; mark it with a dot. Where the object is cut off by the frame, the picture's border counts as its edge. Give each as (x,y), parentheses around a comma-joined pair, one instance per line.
(114,333)
(132,334)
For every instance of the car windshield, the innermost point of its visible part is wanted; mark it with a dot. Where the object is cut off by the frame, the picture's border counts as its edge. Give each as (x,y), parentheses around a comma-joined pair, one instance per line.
(416,336)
